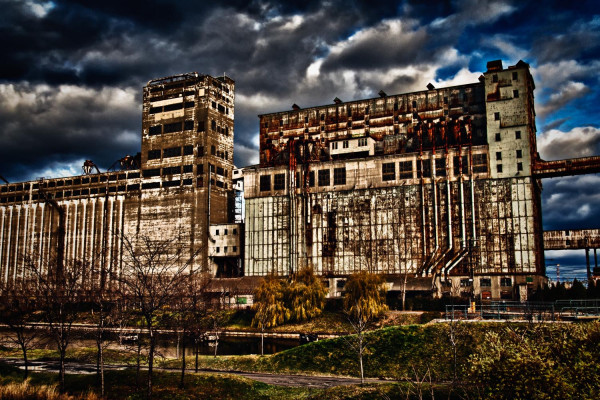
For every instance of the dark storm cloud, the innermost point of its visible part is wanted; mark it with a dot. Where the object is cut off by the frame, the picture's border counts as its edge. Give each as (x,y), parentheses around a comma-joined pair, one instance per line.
(63,124)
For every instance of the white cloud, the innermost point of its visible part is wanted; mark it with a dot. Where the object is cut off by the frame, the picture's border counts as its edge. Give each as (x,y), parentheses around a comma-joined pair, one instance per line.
(60,169)
(569,92)
(505,44)
(578,142)
(39,8)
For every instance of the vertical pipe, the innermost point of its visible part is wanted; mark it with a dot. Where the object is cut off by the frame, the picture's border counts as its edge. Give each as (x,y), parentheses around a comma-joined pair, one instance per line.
(587,263)
(8,242)
(2,240)
(41,239)
(24,245)
(17,243)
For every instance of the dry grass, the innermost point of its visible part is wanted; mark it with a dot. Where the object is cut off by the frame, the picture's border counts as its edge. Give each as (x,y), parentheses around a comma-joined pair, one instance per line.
(24,390)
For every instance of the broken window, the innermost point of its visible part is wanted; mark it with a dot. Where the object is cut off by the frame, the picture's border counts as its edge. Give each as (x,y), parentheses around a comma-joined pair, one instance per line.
(339,176)
(172,152)
(485,282)
(465,165)
(151,172)
(279,182)
(153,154)
(505,281)
(480,163)
(171,170)
(424,169)
(155,130)
(405,170)
(173,127)
(388,171)
(324,177)
(173,107)
(440,167)
(265,183)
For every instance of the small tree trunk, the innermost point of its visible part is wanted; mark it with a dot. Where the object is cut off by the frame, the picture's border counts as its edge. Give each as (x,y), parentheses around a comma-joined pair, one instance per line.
(62,369)
(24,349)
(196,350)
(360,358)
(151,362)
(262,343)
(181,384)
(138,361)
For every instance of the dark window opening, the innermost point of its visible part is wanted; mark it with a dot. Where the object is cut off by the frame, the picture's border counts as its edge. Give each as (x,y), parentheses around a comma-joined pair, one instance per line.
(201,126)
(188,125)
(497,116)
(148,173)
(405,170)
(505,281)
(498,155)
(499,168)
(171,170)
(324,177)
(200,151)
(172,152)
(265,183)
(311,178)
(519,153)
(440,167)
(279,183)
(388,171)
(173,127)
(155,130)
(480,163)
(339,176)
(519,166)
(498,137)
(424,169)
(515,94)
(173,107)
(517,134)
(188,150)
(188,168)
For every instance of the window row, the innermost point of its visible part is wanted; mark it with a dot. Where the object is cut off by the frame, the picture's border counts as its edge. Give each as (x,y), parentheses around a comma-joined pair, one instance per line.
(172,107)
(499,136)
(171,152)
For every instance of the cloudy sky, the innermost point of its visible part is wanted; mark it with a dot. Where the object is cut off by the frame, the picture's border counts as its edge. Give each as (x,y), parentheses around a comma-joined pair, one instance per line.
(71,72)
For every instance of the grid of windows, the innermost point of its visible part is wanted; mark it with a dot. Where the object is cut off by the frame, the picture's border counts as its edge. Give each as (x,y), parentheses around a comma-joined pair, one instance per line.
(279,183)
(324,177)
(480,163)
(388,171)
(339,176)
(405,170)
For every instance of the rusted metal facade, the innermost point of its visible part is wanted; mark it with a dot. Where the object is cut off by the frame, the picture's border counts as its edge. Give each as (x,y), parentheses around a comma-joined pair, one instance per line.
(182,186)
(435,184)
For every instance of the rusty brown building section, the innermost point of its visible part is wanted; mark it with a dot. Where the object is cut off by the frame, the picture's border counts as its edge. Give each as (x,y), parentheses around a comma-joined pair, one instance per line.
(431,188)
(177,188)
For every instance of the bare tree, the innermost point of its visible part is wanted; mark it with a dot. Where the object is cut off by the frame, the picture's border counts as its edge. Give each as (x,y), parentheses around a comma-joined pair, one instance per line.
(18,305)
(58,286)
(153,272)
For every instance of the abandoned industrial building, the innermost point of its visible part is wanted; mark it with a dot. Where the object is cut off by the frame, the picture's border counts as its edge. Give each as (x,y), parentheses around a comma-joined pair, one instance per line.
(439,190)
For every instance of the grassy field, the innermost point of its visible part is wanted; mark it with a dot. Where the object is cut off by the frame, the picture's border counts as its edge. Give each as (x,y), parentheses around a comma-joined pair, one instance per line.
(484,360)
